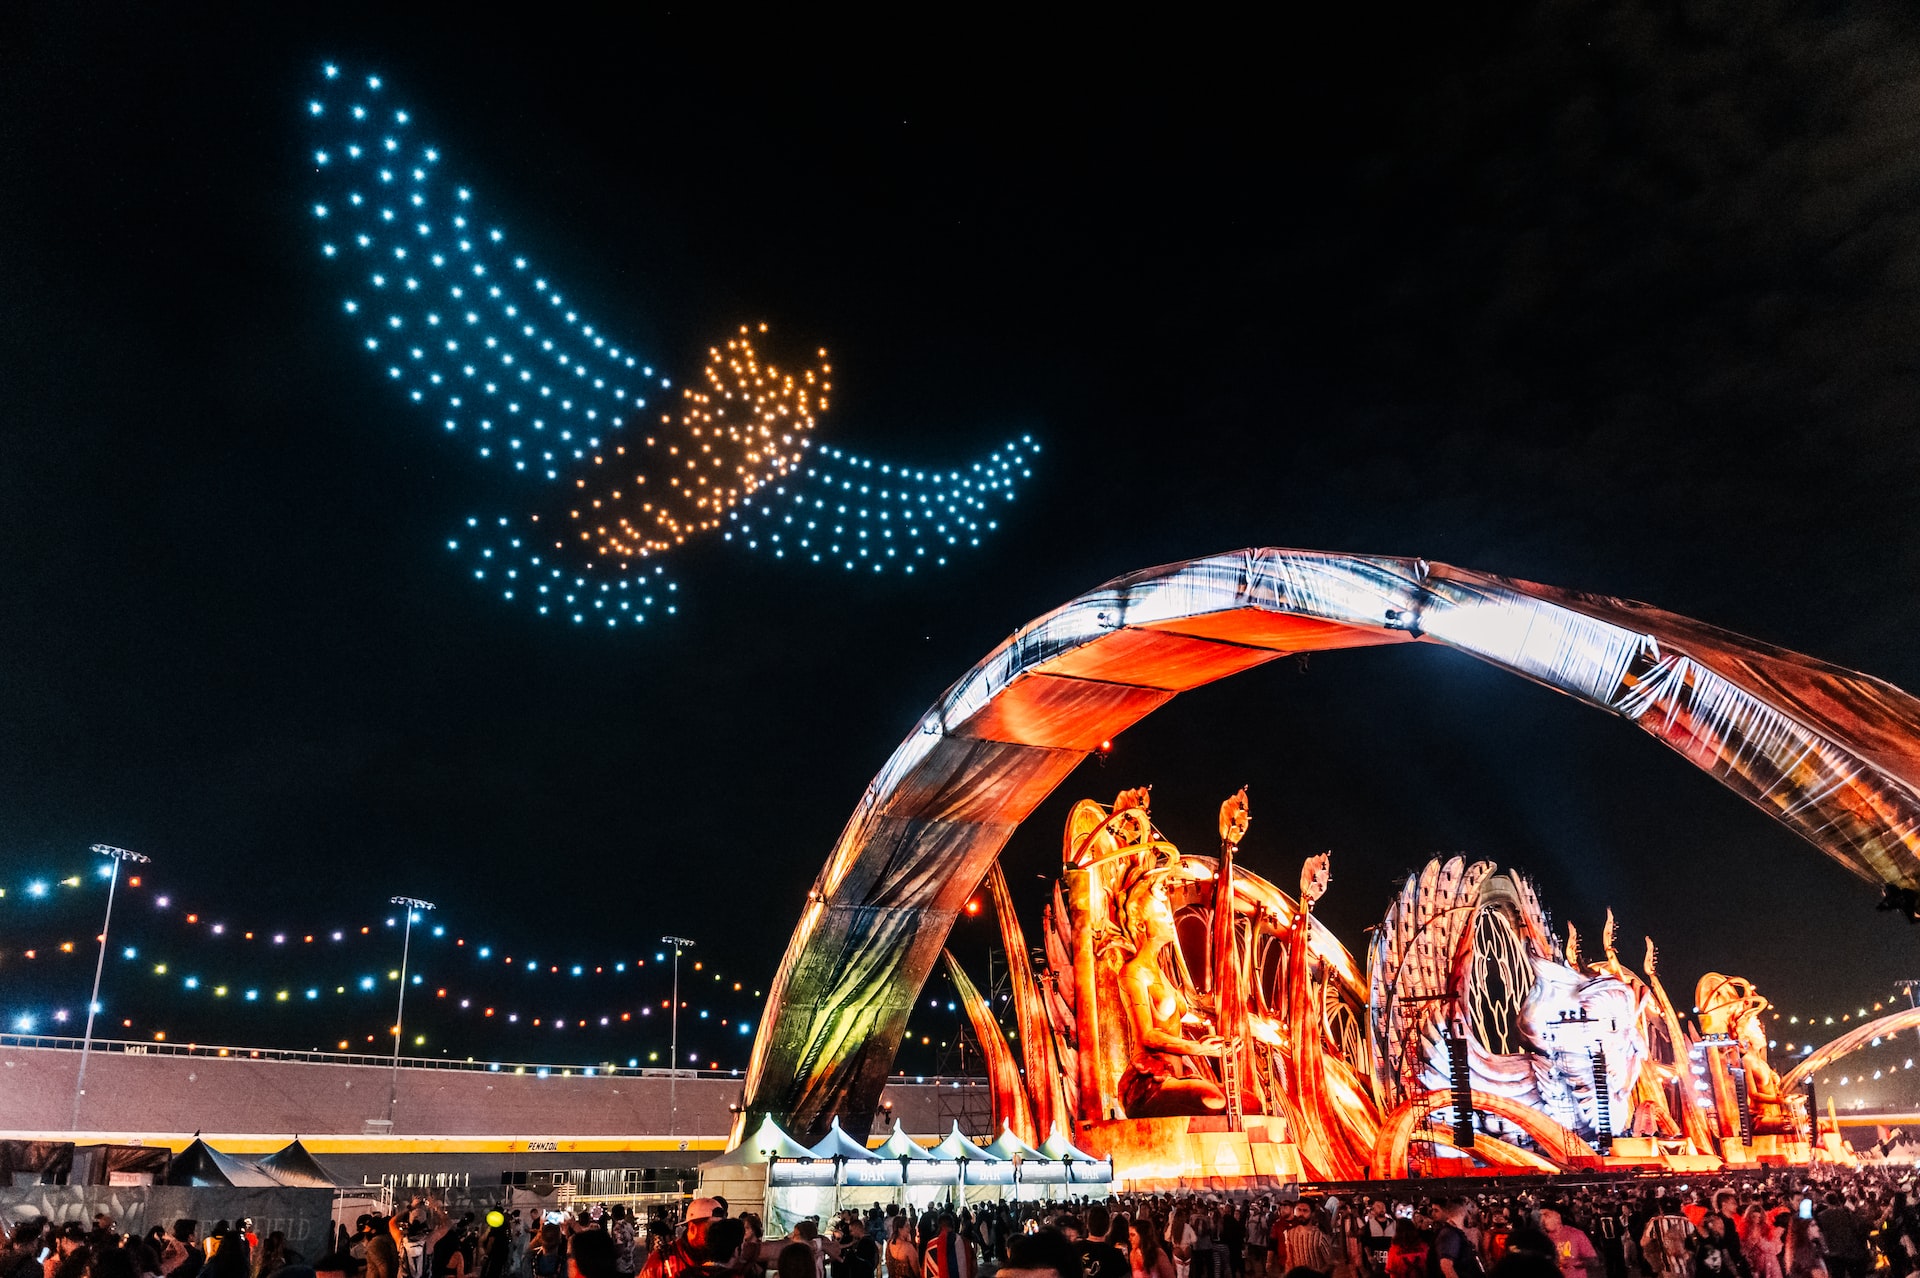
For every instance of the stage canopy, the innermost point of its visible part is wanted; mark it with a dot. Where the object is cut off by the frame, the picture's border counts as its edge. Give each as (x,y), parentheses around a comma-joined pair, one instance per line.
(1830,753)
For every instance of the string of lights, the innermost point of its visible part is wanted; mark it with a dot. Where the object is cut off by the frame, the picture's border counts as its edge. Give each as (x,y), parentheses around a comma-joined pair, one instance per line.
(174,988)
(268,994)
(471,332)
(211,924)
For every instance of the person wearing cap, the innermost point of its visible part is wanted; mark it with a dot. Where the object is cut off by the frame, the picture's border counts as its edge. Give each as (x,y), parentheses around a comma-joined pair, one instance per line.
(689,1247)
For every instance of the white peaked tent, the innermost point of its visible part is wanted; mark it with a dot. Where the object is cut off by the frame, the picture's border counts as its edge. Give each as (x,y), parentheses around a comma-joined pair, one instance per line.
(1082,1167)
(740,1174)
(901,1145)
(768,1142)
(1059,1148)
(837,1144)
(957,1148)
(1011,1147)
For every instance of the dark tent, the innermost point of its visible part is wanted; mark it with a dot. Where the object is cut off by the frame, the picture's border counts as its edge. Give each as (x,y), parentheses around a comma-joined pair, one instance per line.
(120,1165)
(35,1162)
(295,1166)
(200,1164)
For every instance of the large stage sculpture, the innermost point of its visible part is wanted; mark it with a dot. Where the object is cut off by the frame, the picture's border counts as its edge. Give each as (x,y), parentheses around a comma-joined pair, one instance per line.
(1832,754)
(1198,1022)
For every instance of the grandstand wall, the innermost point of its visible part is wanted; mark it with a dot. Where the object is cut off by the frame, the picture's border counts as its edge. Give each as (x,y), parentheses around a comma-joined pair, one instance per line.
(473,1121)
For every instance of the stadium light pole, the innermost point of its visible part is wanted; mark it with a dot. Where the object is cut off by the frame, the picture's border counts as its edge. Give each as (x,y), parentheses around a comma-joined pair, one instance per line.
(673,1046)
(115,856)
(400,1011)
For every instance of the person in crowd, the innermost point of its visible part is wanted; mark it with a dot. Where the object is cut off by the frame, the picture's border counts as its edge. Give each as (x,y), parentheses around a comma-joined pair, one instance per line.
(1716,1250)
(1726,1204)
(1572,1249)
(1406,1255)
(1607,1227)
(796,1260)
(903,1253)
(1663,1243)
(1259,1238)
(1099,1257)
(109,1259)
(1496,1235)
(1803,1258)
(859,1254)
(1233,1239)
(1761,1240)
(1454,1255)
(21,1258)
(1376,1231)
(272,1255)
(187,1255)
(946,1254)
(1044,1253)
(688,1248)
(1202,1258)
(547,1253)
(493,1251)
(1147,1256)
(726,1250)
(1844,1236)
(230,1258)
(1305,1245)
(1897,1237)
(592,1253)
(620,1229)
(445,1258)
(69,1256)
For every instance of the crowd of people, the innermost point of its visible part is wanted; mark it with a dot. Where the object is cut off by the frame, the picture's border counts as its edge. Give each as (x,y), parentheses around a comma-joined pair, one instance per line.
(1834,1225)
(230,1249)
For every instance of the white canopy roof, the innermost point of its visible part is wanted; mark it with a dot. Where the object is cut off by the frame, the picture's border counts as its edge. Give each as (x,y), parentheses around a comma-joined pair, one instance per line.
(764,1145)
(1009,1147)
(837,1144)
(901,1145)
(957,1148)
(1059,1148)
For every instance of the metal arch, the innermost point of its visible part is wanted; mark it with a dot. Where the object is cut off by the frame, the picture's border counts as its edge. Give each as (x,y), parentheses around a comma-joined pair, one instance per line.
(1831,753)
(1848,1043)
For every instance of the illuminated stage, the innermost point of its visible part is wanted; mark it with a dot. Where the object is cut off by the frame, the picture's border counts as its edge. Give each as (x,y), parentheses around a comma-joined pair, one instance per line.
(1197,1024)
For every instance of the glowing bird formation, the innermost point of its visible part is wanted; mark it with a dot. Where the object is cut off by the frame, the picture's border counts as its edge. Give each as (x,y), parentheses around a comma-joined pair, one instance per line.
(472,332)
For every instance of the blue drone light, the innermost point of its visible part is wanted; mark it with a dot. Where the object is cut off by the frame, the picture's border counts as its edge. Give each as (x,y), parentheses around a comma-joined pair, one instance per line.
(471,331)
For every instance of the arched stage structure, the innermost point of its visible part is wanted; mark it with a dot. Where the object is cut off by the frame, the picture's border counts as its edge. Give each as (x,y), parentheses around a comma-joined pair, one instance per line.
(1830,753)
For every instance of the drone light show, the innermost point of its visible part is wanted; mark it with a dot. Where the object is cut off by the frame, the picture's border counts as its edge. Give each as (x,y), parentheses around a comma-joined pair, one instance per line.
(621,469)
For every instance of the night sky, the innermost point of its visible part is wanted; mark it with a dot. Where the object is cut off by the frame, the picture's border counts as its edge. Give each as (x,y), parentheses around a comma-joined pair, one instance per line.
(1623,300)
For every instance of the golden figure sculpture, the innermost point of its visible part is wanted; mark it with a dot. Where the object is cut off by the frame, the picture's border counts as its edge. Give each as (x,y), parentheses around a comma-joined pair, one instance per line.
(1731,1006)
(1162,1079)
